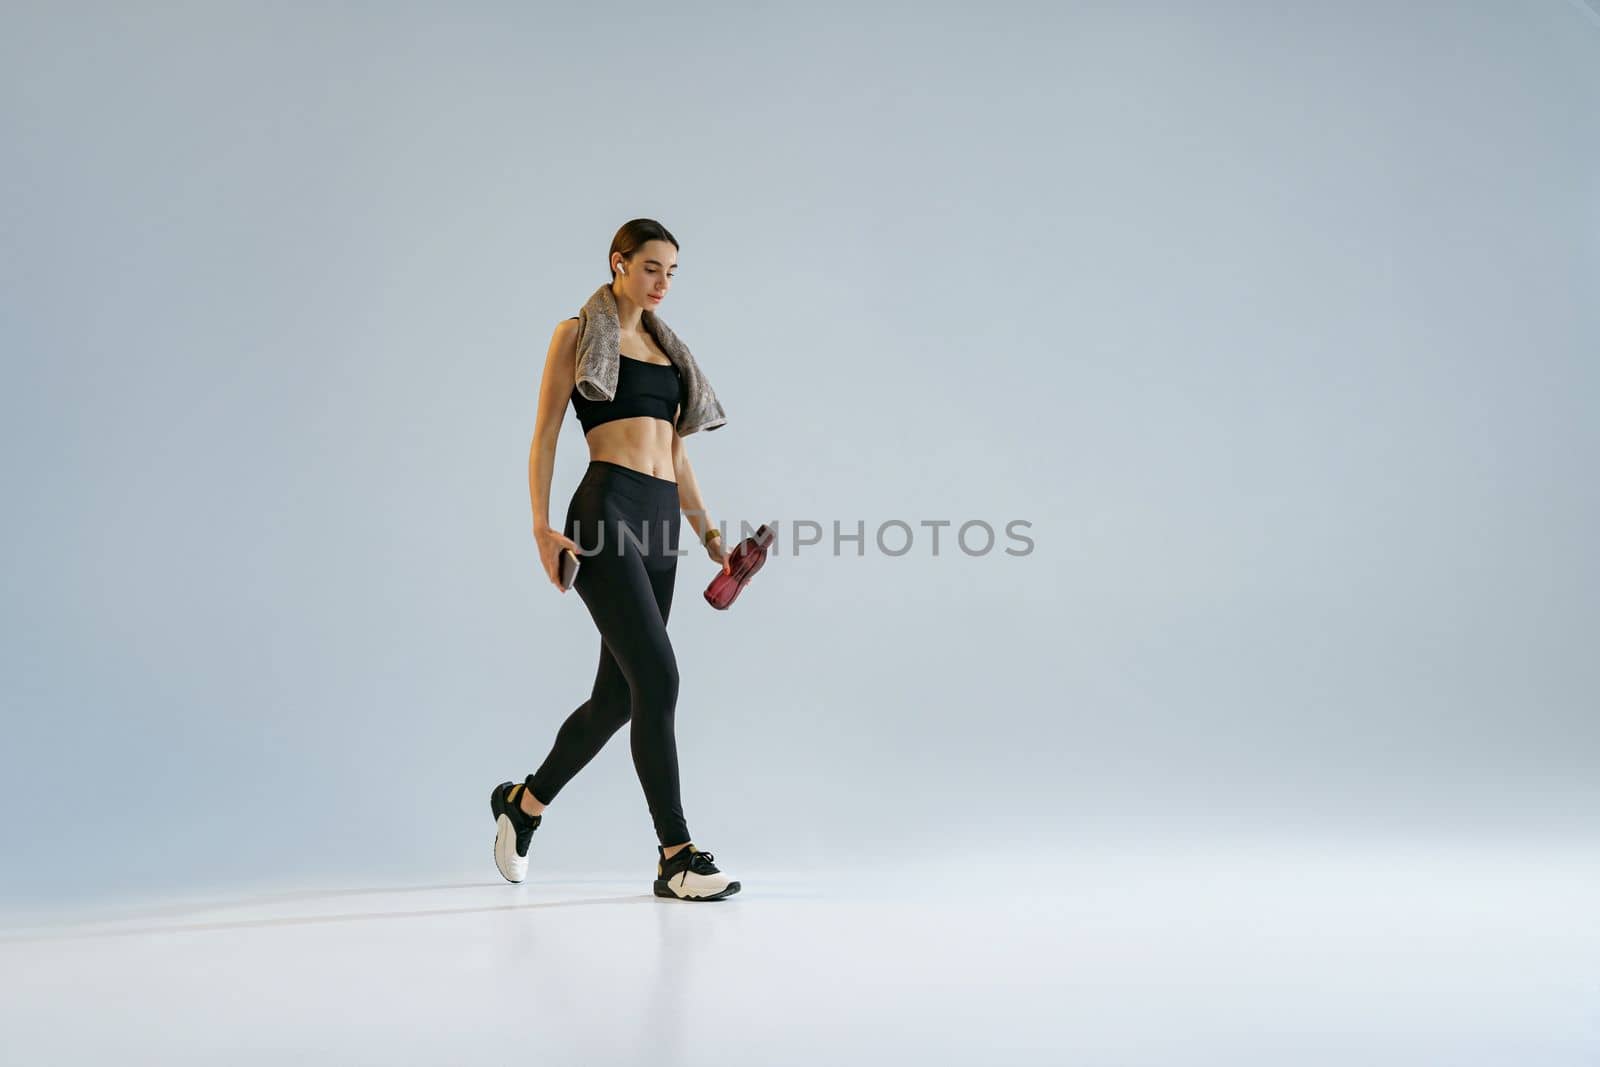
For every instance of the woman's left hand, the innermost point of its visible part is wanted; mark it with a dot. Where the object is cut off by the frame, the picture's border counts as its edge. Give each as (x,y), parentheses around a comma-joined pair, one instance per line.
(719,554)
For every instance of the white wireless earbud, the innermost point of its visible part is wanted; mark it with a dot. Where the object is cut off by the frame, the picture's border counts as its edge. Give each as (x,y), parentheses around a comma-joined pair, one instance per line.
(623,267)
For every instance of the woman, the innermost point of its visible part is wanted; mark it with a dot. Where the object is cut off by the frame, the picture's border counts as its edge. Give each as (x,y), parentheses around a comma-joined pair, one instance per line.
(623,523)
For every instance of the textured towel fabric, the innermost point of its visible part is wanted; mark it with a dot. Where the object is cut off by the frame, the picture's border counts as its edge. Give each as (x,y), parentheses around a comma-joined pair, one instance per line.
(598,356)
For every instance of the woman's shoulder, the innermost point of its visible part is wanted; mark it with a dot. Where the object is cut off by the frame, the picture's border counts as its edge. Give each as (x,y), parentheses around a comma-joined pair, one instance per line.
(564,340)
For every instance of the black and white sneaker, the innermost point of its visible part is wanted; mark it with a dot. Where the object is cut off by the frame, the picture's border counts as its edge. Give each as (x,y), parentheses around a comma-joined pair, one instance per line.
(513,829)
(690,875)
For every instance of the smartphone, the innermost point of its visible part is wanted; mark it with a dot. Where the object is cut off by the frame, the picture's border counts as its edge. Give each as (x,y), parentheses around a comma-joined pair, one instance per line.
(569,568)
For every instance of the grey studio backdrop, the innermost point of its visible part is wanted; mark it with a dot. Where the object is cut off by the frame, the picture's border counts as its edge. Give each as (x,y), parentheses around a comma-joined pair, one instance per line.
(1276,324)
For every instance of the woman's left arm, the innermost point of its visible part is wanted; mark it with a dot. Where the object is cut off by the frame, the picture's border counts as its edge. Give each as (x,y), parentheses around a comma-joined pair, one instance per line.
(694,508)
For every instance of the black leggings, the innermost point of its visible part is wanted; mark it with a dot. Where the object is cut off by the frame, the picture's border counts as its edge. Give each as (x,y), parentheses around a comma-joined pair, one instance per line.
(627,523)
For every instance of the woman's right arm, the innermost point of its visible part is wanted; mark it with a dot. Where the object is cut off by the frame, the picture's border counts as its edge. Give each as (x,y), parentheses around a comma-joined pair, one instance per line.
(555,391)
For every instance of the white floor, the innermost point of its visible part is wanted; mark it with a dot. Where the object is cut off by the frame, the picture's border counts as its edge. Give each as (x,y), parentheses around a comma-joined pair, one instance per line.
(1291,956)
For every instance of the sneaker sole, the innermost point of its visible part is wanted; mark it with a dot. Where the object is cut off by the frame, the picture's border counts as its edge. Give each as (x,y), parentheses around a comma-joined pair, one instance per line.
(663,890)
(505,835)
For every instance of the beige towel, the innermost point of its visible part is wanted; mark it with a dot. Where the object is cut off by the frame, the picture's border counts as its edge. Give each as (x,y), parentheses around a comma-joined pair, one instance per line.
(599,356)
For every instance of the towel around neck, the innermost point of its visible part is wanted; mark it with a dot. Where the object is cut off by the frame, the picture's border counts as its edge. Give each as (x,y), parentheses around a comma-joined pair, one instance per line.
(599,333)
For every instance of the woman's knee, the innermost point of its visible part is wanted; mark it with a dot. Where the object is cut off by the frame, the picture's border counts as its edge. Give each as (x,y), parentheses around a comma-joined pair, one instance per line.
(657,683)
(612,702)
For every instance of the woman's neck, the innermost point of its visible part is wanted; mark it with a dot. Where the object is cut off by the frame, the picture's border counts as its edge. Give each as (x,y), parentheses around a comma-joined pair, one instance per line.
(630,316)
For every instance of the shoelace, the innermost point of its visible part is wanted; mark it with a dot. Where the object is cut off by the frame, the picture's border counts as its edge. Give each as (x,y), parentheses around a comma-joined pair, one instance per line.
(699,863)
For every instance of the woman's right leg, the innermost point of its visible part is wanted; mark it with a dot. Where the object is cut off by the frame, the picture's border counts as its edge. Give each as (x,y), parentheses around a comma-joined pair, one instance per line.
(585,732)
(592,521)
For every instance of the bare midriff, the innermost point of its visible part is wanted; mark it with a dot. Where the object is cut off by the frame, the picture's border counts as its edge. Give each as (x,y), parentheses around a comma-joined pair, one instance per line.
(642,443)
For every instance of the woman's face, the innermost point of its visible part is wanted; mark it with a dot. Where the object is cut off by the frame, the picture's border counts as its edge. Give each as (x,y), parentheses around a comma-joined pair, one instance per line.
(649,275)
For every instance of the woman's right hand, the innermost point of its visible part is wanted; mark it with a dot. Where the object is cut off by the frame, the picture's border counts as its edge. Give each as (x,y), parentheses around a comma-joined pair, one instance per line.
(551,541)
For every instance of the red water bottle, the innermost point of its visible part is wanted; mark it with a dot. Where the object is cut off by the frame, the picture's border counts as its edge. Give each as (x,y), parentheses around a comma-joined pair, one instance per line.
(745,561)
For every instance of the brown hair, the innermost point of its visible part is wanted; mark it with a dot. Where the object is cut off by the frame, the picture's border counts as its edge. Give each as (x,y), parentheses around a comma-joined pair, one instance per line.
(634,233)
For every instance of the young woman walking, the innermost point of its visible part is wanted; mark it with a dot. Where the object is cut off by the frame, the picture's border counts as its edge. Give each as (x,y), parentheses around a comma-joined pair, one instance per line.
(638,392)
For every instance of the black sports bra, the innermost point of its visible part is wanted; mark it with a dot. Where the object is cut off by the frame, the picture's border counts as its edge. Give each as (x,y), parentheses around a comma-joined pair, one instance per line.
(643,388)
